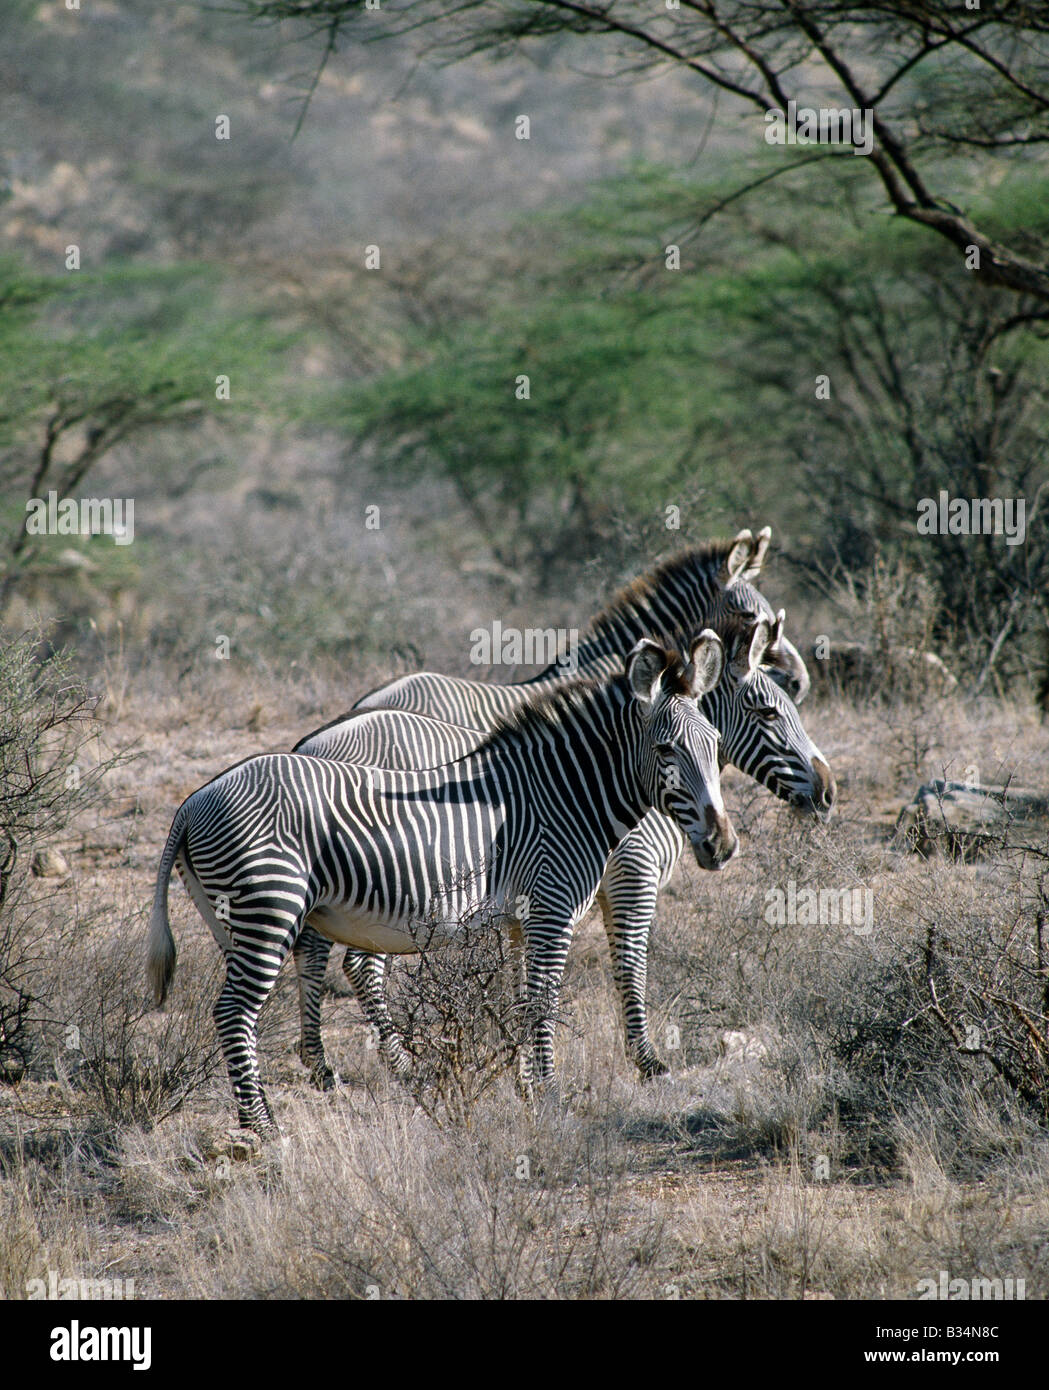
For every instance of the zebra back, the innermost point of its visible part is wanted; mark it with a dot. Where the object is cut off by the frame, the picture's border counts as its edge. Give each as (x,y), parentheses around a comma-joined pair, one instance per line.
(700,587)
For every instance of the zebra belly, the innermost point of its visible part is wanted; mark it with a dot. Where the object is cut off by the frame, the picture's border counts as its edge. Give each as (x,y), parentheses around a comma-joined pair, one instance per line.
(371,931)
(363,931)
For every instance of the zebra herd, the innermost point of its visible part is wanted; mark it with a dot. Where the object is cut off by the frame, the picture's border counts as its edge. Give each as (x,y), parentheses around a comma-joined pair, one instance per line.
(436,800)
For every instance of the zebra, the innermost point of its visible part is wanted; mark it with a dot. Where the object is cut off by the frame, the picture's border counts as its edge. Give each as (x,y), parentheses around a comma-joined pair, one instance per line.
(694,589)
(699,586)
(761,734)
(366,854)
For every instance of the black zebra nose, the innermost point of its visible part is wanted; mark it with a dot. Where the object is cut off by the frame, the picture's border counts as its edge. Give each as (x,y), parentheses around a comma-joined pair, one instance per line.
(718,847)
(828,789)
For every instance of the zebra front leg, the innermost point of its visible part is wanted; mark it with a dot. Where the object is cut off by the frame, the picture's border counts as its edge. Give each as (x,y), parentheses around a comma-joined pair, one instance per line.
(523,1077)
(366,972)
(627,898)
(546,953)
(311,952)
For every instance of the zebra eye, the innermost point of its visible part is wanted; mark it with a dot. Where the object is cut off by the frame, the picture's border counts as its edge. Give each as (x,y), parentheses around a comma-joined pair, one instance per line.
(768,713)
(665,750)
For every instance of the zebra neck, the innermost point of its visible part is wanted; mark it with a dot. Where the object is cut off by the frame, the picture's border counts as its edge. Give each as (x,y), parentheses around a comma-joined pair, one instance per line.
(587,752)
(672,609)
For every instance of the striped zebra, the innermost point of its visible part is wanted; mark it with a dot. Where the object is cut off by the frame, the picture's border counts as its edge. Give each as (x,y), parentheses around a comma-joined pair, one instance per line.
(695,589)
(761,734)
(370,855)
(705,586)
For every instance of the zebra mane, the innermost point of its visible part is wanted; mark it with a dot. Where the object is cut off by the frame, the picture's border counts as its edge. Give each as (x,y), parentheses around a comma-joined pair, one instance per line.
(549,711)
(632,605)
(541,713)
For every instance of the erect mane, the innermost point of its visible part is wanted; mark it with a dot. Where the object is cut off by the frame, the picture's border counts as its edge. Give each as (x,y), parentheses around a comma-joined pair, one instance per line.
(547,711)
(632,603)
(543,712)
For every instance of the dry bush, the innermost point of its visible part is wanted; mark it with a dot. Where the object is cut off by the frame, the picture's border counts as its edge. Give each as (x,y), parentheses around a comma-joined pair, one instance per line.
(461,1019)
(986,967)
(21,1244)
(860,1027)
(118,1059)
(51,1180)
(887,657)
(50,772)
(135,1065)
(384,1204)
(895,608)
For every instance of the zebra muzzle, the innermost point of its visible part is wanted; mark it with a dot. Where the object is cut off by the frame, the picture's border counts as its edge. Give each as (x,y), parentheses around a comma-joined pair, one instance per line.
(713,850)
(818,800)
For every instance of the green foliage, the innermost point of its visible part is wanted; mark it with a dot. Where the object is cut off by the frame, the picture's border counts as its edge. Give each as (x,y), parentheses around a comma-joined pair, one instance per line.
(651,386)
(90,360)
(135,344)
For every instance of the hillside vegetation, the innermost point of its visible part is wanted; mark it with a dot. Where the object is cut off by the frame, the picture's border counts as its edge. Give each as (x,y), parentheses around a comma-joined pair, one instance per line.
(575,355)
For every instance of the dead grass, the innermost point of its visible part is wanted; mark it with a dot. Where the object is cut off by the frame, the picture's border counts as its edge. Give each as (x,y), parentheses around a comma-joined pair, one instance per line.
(844,1150)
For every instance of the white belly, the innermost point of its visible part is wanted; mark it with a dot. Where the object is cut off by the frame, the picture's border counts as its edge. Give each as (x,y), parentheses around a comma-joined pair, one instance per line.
(365,932)
(362,931)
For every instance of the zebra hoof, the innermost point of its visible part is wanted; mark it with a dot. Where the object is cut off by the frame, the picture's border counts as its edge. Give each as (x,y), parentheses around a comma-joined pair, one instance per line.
(246,1141)
(322,1076)
(238,1145)
(548,1098)
(652,1069)
(400,1064)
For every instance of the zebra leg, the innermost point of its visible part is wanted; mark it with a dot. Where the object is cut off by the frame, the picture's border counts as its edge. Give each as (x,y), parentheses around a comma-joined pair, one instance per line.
(546,953)
(366,972)
(523,1078)
(627,898)
(311,952)
(236,1015)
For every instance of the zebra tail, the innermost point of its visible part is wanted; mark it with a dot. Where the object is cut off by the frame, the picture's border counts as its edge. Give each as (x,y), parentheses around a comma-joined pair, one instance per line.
(161,951)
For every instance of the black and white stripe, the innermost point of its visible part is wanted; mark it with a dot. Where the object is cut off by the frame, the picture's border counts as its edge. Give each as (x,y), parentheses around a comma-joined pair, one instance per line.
(383,860)
(761,734)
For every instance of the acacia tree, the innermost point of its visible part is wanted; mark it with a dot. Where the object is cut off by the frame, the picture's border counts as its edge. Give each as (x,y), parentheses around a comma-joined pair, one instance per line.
(95,361)
(937,382)
(940,78)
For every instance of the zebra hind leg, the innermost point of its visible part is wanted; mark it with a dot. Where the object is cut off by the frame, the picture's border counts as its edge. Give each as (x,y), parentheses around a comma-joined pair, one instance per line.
(311,952)
(366,972)
(236,1015)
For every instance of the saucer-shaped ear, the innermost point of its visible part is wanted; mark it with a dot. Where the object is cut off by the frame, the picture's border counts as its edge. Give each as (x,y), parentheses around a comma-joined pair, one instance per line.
(644,669)
(749,650)
(706,659)
(736,561)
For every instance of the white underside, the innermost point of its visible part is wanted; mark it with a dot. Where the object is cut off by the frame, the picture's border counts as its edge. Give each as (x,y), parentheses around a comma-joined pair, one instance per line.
(365,932)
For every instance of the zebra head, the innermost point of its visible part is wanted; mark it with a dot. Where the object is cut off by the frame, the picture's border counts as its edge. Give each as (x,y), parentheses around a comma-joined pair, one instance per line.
(680,753)
(738,597)
(714,585)
(761,733)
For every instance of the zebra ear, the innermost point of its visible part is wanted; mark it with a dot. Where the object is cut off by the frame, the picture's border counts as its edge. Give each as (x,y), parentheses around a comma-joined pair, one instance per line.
(644,669)
(749,650)
(736,561)
(776,629)
(706,662)
(758,552)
